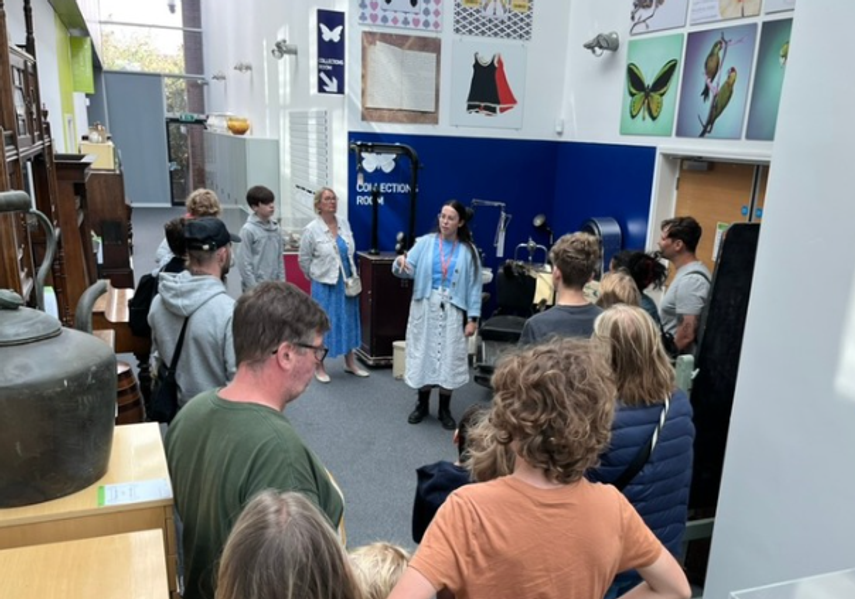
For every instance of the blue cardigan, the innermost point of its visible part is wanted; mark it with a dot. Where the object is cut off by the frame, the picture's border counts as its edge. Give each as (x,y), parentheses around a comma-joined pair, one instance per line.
(465,280)
(660,492)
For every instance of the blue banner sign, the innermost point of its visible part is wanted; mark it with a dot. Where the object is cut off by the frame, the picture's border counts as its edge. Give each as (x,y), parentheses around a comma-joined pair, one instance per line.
(330,52)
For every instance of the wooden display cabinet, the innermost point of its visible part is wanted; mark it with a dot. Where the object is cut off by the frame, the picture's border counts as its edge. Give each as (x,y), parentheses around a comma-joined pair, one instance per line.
(384,306)
(26,163)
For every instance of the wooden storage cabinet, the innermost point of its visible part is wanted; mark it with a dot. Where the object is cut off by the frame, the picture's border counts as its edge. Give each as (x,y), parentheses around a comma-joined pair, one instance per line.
(234,163)
(384,306)
(110,218)
(121,566)
(137,455)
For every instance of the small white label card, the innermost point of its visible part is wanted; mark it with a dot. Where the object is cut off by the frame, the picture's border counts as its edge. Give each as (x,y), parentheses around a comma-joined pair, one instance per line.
(135,492)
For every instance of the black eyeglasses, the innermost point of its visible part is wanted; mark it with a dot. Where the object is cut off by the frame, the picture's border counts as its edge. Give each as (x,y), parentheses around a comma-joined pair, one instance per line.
(321,351)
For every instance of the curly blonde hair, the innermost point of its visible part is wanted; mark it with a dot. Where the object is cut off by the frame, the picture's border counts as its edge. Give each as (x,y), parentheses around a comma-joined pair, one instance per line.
(618,288)
(553,405)
(378,567)
(577,257)
(203,202)
(642,371)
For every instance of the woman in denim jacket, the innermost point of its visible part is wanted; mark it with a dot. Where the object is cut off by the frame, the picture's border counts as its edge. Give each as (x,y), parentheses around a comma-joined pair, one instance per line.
(326,258)
(444,311)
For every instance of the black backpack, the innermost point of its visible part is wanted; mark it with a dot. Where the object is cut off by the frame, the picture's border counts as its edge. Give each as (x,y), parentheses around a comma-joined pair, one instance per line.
(140,304)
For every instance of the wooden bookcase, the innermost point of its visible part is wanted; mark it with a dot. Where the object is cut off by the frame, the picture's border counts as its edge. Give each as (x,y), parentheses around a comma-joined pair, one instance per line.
(27,163)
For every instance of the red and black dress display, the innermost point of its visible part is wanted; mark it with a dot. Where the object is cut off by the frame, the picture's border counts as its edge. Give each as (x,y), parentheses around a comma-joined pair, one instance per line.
(489,92)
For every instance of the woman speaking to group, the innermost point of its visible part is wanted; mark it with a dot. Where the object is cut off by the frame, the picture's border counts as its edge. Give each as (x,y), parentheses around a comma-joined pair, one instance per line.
(444,311)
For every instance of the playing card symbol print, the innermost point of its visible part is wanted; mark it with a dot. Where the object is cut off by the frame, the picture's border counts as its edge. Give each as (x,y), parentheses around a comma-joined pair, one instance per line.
(489,91)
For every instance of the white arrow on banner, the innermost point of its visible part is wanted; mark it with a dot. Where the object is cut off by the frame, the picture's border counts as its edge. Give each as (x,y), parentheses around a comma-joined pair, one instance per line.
(330,85)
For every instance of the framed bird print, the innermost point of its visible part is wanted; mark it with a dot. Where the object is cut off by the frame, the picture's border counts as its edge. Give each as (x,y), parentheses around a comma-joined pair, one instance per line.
(650,85)
(648,16)
(772,58)
(716,78)
(423,15)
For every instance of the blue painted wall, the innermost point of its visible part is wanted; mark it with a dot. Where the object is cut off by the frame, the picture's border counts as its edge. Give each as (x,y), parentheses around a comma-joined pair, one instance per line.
(520,173)
(604,180)
(568,182)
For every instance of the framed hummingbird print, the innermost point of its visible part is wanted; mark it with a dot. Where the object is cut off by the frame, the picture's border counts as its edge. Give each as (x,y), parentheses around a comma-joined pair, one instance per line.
(715,82)
(772,55)
(648,16)
(651,84)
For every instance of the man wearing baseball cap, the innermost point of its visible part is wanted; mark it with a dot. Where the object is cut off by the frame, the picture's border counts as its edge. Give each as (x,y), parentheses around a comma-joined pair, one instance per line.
(198,296)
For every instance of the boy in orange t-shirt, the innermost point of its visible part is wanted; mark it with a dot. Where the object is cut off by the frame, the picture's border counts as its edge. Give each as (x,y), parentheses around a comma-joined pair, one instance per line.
(543,531)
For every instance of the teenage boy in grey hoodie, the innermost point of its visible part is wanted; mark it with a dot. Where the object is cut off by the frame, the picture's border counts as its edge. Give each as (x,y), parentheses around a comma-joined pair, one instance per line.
(260,257)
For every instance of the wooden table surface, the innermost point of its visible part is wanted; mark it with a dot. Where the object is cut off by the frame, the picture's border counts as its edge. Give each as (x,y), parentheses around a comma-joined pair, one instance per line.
(124,566)
(137,455)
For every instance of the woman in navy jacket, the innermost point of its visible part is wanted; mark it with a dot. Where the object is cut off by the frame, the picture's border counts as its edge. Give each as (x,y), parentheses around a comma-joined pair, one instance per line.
(644,378)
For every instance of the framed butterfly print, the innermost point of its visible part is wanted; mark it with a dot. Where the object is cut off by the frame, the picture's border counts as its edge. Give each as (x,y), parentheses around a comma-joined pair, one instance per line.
(650,86)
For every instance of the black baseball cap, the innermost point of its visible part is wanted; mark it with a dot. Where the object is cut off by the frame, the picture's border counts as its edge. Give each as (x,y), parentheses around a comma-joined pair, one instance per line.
(207,233)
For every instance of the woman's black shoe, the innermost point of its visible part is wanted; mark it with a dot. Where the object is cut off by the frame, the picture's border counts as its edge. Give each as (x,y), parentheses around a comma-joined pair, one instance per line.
(446,419)
(419,413)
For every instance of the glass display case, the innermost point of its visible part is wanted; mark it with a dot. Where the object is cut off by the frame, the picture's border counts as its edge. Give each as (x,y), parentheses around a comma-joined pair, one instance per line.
(835,585)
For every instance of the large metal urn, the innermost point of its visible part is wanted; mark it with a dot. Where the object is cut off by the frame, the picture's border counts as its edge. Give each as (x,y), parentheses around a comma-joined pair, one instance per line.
(57,397)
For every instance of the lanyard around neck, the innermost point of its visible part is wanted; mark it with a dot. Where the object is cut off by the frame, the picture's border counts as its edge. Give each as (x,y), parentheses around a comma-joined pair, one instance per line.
(443,263)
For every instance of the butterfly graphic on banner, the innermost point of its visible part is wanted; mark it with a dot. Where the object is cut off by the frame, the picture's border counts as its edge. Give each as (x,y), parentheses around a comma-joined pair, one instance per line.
(648,99)
(333,35)
(372,161)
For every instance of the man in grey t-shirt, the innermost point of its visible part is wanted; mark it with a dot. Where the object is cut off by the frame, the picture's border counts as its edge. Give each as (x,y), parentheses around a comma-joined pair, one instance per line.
(684,300)
(574,260)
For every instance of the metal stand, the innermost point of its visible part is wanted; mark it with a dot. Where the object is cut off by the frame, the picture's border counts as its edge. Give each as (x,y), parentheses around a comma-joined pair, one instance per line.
(360,147)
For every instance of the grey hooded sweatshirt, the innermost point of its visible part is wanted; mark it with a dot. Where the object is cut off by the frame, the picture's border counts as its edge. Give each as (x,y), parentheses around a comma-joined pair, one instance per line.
(207,360)
(260,254)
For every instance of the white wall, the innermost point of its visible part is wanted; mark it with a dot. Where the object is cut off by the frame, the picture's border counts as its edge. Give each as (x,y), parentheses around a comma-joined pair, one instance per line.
(233,34)
(788,489)
(542,104)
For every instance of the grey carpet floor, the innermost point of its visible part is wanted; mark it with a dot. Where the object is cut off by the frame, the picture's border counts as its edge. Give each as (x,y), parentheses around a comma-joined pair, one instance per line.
(358,427)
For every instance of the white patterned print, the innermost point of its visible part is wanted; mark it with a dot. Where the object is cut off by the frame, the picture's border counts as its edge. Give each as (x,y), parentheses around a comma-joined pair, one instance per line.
(504,19)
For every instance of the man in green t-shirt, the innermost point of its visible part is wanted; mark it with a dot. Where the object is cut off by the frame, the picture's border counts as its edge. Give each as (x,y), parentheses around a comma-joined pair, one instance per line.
(226,445)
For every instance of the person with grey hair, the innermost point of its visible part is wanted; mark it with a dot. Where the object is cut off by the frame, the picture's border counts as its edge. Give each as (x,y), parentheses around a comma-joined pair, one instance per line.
(229,444)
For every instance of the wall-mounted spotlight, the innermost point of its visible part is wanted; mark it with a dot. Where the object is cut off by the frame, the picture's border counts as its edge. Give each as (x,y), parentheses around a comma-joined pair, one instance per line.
(281,48)
(170,4)
(218,76)
(243,67)
(604,42)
